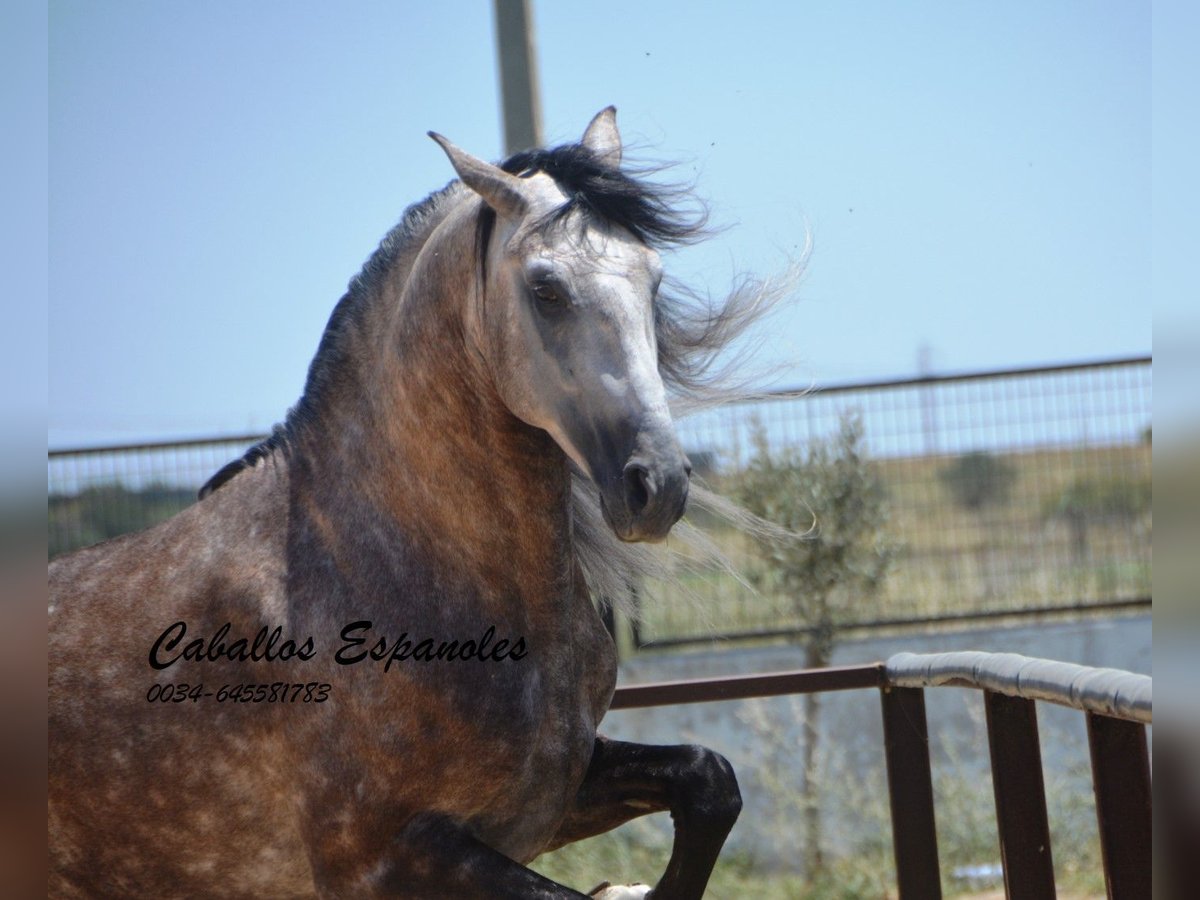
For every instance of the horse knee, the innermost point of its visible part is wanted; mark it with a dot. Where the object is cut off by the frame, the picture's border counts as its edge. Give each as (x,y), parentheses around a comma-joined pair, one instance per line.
(712,787)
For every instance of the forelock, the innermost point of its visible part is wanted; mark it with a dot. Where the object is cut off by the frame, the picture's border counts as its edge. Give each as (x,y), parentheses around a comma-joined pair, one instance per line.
(657,215)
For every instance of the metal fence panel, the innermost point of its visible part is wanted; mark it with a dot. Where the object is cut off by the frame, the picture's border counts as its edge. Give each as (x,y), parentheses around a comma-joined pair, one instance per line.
(1071,528)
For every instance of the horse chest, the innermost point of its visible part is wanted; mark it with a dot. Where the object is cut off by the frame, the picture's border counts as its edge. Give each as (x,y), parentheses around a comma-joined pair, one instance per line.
(501,743)
(547,745)
(499,739)
(528,717)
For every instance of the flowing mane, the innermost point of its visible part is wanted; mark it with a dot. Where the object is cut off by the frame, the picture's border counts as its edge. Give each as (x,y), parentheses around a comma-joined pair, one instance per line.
(692,330)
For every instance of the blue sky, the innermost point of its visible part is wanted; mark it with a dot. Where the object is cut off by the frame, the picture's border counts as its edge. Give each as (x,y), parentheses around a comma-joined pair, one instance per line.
(975,178)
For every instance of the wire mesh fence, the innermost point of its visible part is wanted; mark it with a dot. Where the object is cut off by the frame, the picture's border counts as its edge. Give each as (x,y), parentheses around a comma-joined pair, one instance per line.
(96,493)
(1006,492)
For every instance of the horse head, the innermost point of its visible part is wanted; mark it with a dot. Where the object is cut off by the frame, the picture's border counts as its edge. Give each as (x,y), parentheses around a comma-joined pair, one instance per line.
(564,322)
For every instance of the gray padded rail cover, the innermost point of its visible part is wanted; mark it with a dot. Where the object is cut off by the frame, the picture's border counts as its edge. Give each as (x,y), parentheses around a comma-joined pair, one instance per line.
(1110,692)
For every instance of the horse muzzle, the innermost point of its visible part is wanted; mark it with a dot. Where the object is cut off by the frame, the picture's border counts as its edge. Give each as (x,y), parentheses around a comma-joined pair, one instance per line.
(648,497)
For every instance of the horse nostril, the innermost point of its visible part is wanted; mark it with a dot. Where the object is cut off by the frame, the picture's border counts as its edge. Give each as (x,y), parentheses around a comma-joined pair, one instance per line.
(639,487)
(687,468)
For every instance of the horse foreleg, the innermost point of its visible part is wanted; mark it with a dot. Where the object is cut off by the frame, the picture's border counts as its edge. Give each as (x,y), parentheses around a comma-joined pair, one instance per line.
(696,785)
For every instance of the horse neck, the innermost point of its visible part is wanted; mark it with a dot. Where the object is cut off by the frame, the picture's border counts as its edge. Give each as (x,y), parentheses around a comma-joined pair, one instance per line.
(415,427)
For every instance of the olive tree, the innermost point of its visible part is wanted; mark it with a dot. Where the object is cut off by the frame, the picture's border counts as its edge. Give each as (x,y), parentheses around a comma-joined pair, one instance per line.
(828,495)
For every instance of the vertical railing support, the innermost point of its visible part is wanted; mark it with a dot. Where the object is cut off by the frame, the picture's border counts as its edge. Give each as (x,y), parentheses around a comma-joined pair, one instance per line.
(910,790)
(1020,797)
(1121,778)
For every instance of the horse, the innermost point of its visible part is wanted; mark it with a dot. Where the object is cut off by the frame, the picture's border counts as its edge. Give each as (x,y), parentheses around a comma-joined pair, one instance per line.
(368,662)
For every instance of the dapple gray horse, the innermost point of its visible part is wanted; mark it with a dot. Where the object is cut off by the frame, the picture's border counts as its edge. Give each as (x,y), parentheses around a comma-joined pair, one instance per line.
(368,662)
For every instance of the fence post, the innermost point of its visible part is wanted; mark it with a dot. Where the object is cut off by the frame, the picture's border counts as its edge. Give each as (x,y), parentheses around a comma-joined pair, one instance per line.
(1020,796)
(1121,777)
(910,790)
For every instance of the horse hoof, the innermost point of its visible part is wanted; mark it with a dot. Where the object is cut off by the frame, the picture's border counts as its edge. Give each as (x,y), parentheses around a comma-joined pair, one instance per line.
(608,891)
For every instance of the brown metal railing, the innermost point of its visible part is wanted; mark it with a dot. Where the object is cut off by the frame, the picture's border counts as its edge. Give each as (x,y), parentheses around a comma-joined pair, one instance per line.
(1117,706)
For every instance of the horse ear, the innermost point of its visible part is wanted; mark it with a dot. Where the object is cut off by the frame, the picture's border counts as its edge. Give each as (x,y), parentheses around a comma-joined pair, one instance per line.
(501,191)
(602,137)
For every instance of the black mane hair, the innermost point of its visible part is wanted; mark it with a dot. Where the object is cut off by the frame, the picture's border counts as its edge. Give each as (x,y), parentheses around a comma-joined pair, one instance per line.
(657,215)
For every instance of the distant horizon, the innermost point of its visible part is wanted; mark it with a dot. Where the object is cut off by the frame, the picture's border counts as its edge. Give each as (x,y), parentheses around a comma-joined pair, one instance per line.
(792,391)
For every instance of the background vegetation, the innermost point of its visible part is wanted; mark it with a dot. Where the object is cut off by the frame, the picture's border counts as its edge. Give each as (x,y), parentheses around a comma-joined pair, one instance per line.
(1066,527)
(108,510)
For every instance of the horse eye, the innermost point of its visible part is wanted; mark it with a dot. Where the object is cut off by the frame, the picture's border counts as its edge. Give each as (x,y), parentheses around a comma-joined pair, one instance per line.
(547,293)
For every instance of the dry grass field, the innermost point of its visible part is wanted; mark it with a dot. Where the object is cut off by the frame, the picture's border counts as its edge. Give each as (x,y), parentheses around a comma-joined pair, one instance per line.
(1026,551)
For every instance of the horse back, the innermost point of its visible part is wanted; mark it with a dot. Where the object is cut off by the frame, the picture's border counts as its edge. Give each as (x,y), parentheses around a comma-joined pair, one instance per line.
(125,806)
